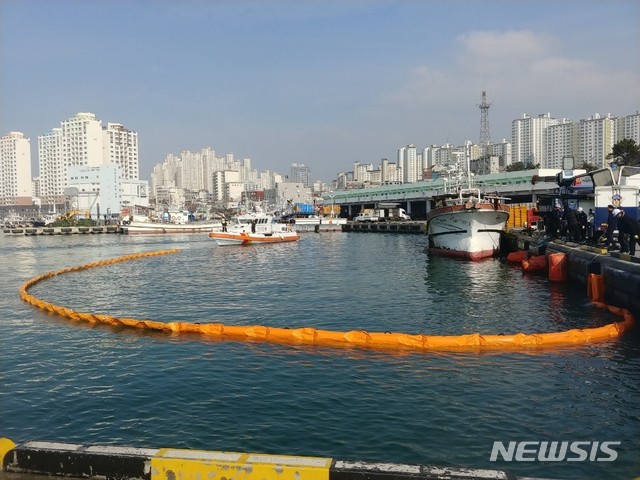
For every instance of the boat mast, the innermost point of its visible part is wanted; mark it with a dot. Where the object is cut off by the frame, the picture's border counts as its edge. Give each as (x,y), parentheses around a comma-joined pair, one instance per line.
(467,154)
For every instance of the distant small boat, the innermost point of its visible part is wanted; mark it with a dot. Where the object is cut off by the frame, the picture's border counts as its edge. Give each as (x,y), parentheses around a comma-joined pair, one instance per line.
(254,229)
(467,225)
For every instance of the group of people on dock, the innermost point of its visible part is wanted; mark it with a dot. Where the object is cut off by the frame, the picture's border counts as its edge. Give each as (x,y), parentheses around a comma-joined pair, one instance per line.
(574,224)
(577,226)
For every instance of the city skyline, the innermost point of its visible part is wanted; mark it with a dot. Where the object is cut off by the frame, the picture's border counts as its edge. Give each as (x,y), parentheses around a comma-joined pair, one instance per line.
(323,84)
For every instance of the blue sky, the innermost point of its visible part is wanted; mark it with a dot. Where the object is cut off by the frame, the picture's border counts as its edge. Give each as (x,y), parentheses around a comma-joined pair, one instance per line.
(324,83)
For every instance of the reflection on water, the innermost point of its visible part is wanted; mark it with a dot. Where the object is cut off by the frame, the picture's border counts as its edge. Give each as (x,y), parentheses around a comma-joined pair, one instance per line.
(69,381)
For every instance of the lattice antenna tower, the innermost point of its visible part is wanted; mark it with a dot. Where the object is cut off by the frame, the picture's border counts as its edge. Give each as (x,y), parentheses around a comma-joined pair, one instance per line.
(485,137)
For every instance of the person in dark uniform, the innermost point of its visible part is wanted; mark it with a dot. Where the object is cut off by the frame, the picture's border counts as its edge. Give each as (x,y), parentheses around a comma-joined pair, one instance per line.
(572,224)
(554,221)
(612,225)
(582,223)
(628,231)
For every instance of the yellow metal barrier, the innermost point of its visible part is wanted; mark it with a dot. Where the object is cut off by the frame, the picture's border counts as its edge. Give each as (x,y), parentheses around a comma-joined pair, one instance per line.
(355,338)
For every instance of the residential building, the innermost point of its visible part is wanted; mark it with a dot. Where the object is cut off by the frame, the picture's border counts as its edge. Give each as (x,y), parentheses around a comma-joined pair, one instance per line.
(120,147)
(628,127)
(527,138)
(411,163)
(300,174)
(82,141)
(15,170)
(596,137)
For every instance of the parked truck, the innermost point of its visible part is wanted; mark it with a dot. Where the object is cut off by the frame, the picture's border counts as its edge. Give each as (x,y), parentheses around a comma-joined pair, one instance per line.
(393,214)
(367,215)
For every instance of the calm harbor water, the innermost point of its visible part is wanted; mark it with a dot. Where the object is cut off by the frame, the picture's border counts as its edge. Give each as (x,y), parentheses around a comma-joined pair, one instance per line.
(61,380)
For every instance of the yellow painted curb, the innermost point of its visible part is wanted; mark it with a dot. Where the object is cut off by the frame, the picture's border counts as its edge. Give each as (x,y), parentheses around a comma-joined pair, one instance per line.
(6,446)
(170,464)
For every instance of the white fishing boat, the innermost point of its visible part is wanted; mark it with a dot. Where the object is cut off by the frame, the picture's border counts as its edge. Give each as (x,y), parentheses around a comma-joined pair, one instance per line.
(314,223)
(254,229)
(136,227)
(168,223)
(467,224)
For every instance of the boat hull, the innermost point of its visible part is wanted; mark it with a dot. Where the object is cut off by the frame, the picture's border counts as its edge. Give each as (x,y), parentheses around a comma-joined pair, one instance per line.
(472,233)
(244,238)
(316,224)
(153,227)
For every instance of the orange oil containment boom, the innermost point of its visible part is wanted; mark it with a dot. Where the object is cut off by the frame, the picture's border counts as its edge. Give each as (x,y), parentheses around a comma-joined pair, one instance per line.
(354,338)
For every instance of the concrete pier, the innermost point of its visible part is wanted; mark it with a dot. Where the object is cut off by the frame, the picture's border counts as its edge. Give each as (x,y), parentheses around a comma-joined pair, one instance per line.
(21,230)
(621,271)
(133,463)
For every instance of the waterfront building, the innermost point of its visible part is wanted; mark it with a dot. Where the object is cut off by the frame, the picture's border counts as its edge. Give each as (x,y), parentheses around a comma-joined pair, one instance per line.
(15,170)
(134,193)
(97,190)
(82,141)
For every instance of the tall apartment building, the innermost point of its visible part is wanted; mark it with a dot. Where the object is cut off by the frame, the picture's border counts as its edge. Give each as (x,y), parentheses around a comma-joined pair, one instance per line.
(15,170)
(300,174)
(596,137)
(560,141)
(390,172)
(120,147)
(588,141)
(628,127)
(411,163)
(82,141)
(527,138)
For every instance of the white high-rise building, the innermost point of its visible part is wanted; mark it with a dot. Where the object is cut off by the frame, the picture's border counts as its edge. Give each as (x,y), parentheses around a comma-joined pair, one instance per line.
(560,141)
(527,138)
(15,170)
(628,127)
(81,141)
(411,163)
(120,146)
(596,137)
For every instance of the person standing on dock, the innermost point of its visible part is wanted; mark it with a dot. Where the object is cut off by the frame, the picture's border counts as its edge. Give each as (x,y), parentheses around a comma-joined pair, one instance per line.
(572,224)
(612,225)
(554,221)
(627,226)
(582,223)
(590,220)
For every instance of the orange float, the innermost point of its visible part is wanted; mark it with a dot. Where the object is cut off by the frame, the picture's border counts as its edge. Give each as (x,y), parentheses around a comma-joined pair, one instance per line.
(558,267)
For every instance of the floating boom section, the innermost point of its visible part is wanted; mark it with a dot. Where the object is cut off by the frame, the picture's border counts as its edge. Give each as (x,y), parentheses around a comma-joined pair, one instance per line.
(316,337)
